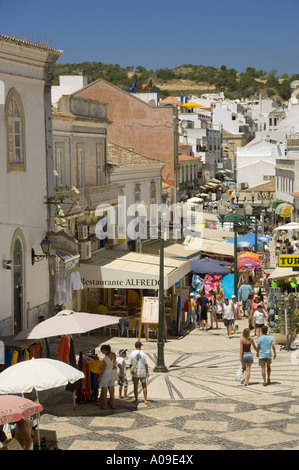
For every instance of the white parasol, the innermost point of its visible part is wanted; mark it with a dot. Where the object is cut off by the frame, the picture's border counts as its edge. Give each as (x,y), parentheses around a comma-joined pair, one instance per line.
(67,322)
(37,374)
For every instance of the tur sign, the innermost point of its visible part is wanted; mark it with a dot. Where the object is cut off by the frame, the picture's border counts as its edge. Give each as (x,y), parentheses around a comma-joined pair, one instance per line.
(288,261)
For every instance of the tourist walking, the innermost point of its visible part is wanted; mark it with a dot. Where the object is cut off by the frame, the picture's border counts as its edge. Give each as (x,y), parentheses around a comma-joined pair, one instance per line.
(265,347)
(122,374)
(191,312)
(244,291)
(228,315)
(256,302)
(237,313)
(249,306)
(204,303)
(138,362)
(246,357)
(106,377)
(213,310)
(259,319)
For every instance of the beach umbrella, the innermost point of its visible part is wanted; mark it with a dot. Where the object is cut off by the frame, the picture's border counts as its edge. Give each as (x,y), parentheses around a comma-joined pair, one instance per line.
(208,266)
(37,375)
(248,254)
(244,241)
(13,408)
(247,264)
(67,322)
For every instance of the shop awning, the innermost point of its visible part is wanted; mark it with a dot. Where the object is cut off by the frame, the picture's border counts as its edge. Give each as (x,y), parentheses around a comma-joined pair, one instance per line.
(122,270)
(172,250)
(193,247)
(210,247)
(280,273)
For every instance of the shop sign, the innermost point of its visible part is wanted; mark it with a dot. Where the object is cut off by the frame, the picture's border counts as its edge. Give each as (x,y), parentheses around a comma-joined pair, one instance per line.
(288,261)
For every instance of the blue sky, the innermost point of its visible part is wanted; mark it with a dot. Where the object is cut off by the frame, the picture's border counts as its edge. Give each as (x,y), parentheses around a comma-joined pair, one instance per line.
(162,33)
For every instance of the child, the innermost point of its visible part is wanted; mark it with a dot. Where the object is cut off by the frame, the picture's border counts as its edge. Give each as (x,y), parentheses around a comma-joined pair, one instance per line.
(122,378)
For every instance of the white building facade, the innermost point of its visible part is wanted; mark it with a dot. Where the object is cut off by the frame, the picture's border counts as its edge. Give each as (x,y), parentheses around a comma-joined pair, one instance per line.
(26,181)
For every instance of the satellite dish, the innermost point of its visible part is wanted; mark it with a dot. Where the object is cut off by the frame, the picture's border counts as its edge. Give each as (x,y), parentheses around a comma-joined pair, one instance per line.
(183,124)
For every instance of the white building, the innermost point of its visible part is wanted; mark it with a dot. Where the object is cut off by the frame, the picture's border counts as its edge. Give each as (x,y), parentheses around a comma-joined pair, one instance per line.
(256,162)
(68,84)
(26,181)
(141,181)
(205,136)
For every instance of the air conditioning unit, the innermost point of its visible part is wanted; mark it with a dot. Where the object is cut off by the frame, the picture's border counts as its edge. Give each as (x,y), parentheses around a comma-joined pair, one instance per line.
(85,250)
(112,241)
(82,232)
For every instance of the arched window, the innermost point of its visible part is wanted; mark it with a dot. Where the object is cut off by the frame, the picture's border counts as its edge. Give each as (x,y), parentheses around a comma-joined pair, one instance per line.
(14,115)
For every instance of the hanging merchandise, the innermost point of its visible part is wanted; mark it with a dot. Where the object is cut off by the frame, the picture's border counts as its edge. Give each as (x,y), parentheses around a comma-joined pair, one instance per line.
(228,285)
(90,365)
(63,349)
(76,281)
(210,281)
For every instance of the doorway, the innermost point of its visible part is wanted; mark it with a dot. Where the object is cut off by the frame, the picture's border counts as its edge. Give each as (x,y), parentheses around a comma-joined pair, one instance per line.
(18,285)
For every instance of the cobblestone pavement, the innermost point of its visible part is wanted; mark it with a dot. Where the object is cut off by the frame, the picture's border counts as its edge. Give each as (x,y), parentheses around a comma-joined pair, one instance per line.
(197,404)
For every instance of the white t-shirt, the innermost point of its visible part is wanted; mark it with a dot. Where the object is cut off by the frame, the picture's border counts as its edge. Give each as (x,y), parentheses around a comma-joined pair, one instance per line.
(228,311)
(138,359)
(259,317)
(122,363)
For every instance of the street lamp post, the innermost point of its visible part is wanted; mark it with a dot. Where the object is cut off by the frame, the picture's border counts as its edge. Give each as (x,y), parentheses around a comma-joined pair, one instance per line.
(160,365)
(235,219)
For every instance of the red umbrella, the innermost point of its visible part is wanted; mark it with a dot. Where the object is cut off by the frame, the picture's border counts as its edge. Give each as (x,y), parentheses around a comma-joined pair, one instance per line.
(13,408)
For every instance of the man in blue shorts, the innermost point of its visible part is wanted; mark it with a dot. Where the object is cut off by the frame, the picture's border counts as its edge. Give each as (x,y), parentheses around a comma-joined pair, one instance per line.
(265,346)
(244,291)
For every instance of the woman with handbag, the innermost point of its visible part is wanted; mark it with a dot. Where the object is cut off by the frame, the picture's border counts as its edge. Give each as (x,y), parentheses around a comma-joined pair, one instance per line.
(246,357)
(107,377)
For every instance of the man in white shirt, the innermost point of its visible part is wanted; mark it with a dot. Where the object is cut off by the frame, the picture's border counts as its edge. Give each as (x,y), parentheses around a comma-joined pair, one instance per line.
(138,362)
(228,315)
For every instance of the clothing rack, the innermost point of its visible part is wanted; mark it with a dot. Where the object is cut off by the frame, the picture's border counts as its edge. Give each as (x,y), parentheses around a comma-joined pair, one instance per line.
(88,387)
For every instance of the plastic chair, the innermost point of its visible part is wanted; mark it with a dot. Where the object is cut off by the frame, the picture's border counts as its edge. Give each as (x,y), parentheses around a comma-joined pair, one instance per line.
(114,327)
(131,327)
(152,329)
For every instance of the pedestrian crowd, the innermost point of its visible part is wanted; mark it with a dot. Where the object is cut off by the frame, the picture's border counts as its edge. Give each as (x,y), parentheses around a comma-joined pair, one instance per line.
(115,369)
(250,305)
(283,246)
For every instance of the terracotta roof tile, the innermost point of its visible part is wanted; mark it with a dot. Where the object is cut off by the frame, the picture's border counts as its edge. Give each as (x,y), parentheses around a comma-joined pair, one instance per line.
(120,156)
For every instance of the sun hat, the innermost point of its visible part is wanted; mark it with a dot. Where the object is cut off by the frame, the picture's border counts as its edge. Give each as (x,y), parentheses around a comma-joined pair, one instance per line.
(121,351)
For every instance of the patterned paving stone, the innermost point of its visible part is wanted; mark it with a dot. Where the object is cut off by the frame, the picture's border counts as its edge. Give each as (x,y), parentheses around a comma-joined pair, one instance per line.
(196,405)
(94,445)
(154,434)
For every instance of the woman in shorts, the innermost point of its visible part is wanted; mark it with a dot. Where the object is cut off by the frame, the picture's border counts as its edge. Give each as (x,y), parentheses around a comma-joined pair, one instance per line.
(106,376)
(259,319)
(246,356)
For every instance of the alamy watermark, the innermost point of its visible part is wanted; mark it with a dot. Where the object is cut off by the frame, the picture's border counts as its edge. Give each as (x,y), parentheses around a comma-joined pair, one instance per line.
(177,221)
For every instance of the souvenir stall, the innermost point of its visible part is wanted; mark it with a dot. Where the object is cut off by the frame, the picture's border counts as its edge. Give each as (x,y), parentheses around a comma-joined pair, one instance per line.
(18,351)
